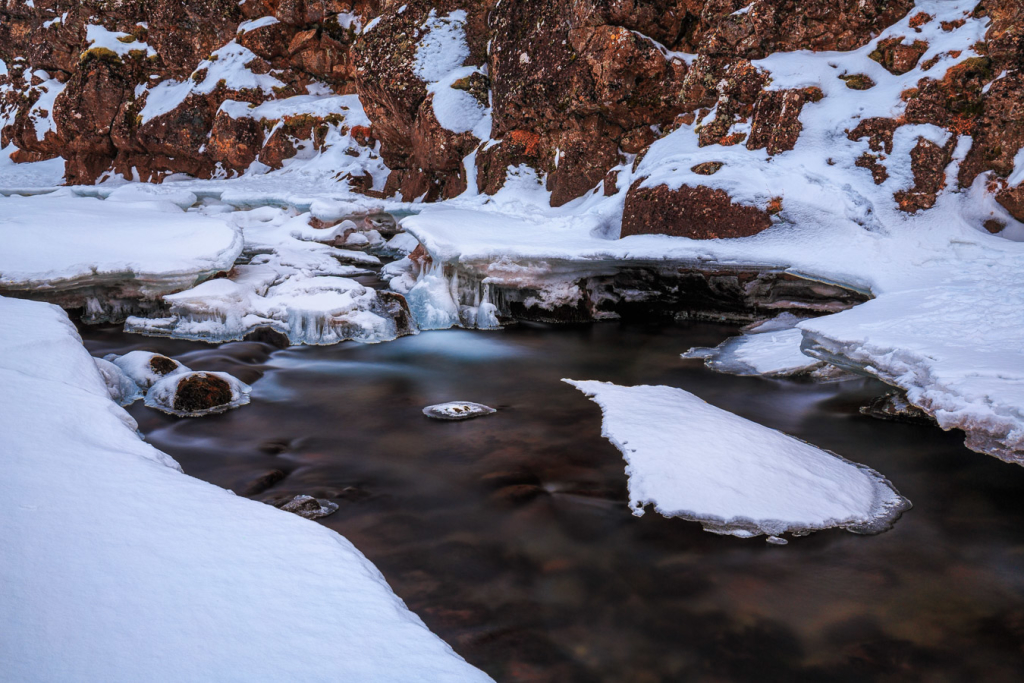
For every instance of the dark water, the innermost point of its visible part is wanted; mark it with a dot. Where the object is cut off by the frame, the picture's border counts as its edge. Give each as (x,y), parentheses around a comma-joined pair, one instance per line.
(509,535)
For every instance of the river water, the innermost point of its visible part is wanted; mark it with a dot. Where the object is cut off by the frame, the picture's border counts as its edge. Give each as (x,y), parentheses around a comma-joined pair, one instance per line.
(510,535)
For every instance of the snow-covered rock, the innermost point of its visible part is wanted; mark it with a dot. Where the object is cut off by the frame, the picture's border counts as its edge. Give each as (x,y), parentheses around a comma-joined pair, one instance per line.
(690,459)
(116,563)
(194,394)
(146,368)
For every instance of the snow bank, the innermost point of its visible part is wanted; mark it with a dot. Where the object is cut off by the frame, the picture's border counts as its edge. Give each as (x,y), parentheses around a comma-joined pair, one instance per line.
(81,251)
(117,567)
(689,459)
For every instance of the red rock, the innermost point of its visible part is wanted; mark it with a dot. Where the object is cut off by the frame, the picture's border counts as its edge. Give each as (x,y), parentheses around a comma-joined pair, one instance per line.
(696,212)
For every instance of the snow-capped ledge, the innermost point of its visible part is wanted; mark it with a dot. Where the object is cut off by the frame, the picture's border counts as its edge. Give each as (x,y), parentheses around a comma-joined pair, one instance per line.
(692,460)
(118,567)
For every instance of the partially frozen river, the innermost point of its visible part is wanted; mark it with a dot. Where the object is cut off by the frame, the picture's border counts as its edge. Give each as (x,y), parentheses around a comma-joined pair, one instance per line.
(510,534)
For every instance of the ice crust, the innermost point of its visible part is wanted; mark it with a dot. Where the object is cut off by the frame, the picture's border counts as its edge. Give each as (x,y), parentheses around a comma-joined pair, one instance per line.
(116,563)
(692,460)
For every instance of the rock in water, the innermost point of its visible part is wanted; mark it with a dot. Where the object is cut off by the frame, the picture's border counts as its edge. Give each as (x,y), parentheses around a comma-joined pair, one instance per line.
(457,410)
(896,408)
(194,394)
(146,368)
(310,507)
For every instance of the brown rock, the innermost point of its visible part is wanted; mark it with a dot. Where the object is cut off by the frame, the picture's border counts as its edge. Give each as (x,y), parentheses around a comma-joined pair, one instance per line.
(234,143)
(879,132)
(201,391)
(896,57)
(776,119)
(696,212)
(162,365)
(928,162)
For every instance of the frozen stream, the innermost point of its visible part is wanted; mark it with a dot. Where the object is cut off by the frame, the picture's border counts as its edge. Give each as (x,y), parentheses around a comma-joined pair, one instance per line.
(546,576)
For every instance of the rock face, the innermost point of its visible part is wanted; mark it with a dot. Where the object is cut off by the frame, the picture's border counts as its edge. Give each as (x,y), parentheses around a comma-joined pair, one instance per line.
(458,92)
(140,88)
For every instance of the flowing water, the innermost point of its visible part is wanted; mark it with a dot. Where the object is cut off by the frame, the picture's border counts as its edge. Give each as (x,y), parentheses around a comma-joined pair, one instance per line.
(510,536)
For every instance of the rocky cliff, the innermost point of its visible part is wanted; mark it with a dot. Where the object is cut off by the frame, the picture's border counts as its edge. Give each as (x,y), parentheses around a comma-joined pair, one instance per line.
(454,93)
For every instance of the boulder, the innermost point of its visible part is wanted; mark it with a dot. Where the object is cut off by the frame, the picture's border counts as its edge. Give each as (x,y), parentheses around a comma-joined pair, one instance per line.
(696,212)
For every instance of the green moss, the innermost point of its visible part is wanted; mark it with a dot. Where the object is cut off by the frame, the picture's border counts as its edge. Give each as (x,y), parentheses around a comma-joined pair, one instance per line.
(858,81)
(101,54)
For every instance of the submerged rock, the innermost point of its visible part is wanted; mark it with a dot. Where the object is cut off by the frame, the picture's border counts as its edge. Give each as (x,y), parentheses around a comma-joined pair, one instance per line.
(457,410)
(198,393)
(895,407)
(310,507)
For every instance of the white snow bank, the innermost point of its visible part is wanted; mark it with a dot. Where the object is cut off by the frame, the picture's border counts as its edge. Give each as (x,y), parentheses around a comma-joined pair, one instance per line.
(955,348)
(689,459)
(60,241)
(117,567)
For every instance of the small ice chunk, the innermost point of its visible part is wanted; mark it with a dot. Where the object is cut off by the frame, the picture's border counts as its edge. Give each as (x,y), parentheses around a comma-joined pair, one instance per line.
(310,507)
(195,394)
(120,386)
(146,368)
(457,410)
(775,540)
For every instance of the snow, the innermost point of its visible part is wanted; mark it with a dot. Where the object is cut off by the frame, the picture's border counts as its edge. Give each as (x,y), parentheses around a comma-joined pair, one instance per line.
(59,241)
(690,459)
(226,66)
(440,55)
(254,24)
(122,390)
(116,563)
(121,44)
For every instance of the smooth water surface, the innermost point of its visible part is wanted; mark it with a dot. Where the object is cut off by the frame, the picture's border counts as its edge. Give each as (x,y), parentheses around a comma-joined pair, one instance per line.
(510,535)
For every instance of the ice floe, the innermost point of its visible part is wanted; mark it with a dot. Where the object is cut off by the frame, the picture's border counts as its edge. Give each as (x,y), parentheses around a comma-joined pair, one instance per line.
(690,459)
(114,558)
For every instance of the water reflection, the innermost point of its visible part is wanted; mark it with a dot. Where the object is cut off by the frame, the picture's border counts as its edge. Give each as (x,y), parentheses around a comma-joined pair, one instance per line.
(510,536)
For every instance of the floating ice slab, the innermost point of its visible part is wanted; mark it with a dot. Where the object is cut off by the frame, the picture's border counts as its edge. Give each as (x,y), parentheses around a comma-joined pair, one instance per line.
(689,459)
(118,567)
